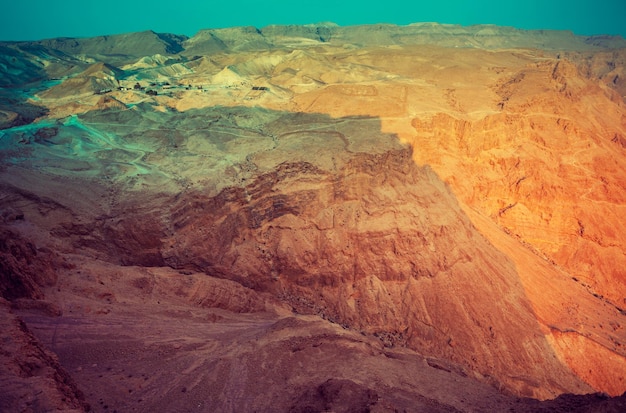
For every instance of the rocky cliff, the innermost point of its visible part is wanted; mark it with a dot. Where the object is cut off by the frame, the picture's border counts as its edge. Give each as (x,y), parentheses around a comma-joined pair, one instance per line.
(374,243)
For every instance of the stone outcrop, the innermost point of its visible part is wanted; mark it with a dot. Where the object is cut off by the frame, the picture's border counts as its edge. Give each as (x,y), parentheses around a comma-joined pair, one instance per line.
(24,269)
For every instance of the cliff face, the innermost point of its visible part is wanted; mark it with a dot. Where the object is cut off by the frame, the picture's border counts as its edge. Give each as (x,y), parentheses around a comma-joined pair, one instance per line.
(378,245)
(547,167)
(24,269)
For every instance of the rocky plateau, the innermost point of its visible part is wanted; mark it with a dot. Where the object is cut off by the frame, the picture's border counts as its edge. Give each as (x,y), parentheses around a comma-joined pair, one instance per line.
(421,218)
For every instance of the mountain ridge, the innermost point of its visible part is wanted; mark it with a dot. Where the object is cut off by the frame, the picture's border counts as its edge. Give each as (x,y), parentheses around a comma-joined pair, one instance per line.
(432,32)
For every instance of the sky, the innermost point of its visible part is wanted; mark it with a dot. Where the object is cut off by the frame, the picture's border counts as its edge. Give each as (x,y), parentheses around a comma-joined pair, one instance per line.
(42,19)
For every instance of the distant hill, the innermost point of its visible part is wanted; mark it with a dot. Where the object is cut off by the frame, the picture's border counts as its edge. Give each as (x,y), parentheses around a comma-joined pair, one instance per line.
(118,48)
(121,47)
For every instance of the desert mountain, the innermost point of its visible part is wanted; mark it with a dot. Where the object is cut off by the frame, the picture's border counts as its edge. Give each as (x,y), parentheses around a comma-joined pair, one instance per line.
(117,46)
(315,218)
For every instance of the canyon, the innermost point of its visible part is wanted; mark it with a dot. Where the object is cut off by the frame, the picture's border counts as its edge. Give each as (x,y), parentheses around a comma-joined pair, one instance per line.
(314,218)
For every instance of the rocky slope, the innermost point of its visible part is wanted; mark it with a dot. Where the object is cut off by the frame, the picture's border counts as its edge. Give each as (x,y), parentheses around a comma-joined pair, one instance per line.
(32,378)
(374,191)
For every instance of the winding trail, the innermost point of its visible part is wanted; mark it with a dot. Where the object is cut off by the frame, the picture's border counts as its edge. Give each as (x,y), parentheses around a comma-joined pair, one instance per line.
(105,139)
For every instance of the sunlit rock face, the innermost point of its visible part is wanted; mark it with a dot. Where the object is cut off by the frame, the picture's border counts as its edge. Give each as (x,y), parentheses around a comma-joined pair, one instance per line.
(554,150)
(451,194)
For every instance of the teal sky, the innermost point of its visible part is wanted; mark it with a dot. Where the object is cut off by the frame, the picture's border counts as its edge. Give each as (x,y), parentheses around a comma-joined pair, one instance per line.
(39,19)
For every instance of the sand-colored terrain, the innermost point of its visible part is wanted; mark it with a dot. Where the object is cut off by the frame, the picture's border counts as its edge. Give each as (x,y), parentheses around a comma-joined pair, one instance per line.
(316,218)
